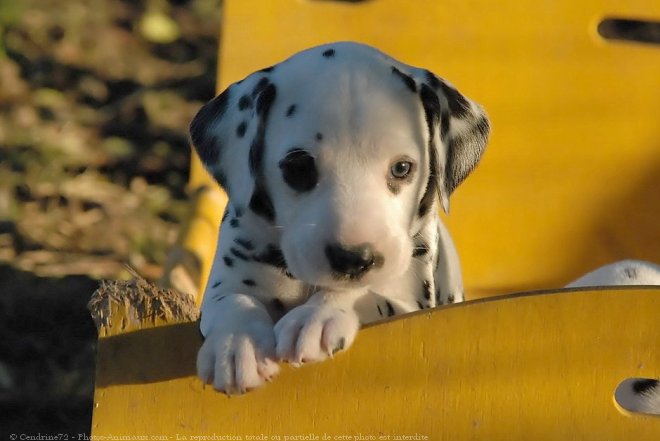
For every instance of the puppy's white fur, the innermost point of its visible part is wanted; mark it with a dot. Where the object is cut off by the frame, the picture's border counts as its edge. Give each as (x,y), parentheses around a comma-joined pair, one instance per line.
(625,272)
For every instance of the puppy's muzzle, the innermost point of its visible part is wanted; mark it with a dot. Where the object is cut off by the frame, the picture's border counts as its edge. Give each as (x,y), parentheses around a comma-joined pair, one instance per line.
(352,262)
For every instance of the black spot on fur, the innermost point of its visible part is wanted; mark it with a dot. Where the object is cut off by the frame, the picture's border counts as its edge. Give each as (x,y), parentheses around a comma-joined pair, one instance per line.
(631,272)
(426,289)
(254,158)
(438,299)
(261,204)
(266,98)
(273,256)
(436,84)
(407,79)
(451,298)
(221,179)
(329,53)
(238,211)
(380,311)
(390,309)
(645,385)
(218,297)
(249,282)
(245,102)
(319,136)
(341,344)
(299,170)
(216,284)
(240,130)
(444,124)
(244,243)
(419,305)
(228,261)
(291,110)
(207,145)
(234,223)
(426,202)
(238,253)
(433,81)
(260,86)
(458,104)
(278,305)
(431,106)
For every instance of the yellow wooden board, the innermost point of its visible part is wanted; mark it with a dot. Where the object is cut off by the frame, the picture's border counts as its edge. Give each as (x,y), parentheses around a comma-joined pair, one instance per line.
(541,367)
(571,178)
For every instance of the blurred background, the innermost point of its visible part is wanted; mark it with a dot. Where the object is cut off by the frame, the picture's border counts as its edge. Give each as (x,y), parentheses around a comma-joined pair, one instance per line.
(95,100)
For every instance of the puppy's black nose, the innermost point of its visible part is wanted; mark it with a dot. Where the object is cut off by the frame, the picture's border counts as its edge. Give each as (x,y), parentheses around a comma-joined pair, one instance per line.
(353,261)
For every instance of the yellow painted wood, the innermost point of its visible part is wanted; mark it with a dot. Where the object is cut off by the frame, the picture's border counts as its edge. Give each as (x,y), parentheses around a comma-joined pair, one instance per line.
(539,367)
(190,260)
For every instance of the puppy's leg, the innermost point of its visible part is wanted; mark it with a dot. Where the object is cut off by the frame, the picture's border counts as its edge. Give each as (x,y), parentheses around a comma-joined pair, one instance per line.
(238,353)
(316,330)
(242,297)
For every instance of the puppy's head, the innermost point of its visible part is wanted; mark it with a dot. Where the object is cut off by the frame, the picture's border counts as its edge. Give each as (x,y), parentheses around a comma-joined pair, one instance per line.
(342,151)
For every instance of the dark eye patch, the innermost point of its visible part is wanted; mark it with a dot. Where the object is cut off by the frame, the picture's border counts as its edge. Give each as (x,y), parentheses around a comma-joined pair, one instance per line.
(299,170)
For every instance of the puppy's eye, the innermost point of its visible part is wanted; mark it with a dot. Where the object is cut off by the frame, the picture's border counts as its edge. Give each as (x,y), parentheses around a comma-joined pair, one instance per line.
(299,170)
(401,169)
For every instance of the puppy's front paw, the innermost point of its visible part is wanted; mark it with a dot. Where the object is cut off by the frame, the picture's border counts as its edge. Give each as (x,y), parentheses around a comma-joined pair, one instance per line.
(314,332)
(237,361)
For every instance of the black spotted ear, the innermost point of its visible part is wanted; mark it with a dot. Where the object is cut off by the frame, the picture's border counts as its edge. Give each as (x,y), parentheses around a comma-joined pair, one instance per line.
(206,139)
(457,124)
(228,135)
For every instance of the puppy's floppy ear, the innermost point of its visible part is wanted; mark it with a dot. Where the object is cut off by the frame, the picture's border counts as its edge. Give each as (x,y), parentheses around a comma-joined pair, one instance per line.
(228,132)
(459,129)
(207,137)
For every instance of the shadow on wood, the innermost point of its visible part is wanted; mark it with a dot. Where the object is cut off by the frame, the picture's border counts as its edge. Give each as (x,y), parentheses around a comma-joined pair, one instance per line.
(148,355)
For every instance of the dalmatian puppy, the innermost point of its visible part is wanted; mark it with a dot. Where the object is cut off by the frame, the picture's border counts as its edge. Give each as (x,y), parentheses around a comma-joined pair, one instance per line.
(336,162)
